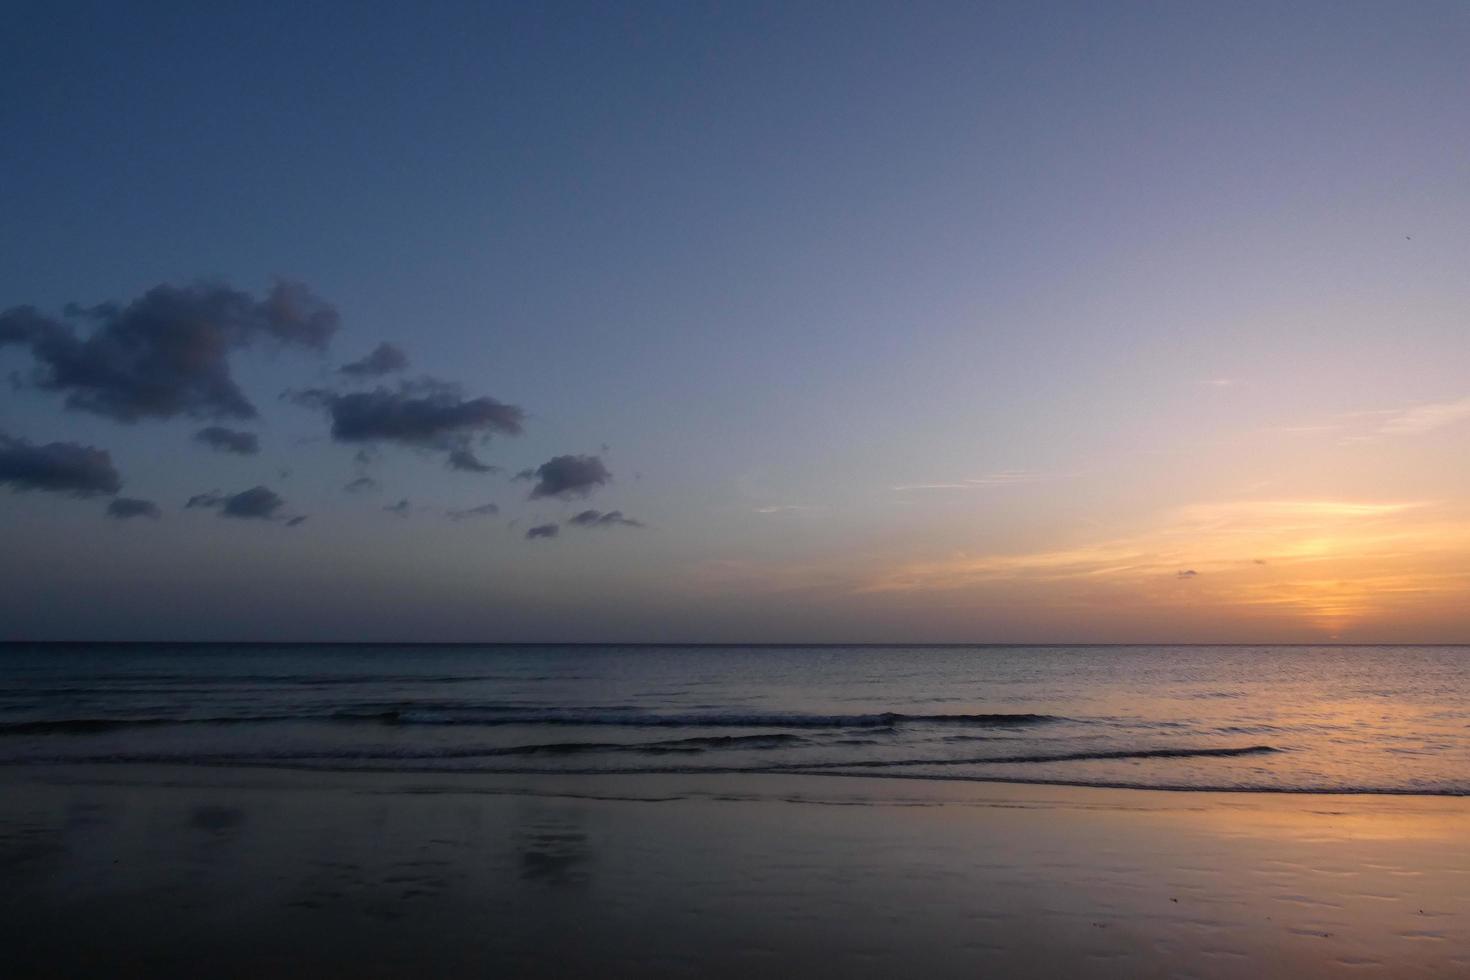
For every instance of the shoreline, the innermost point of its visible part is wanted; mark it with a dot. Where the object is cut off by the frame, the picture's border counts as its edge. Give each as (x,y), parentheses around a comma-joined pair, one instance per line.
(49,769)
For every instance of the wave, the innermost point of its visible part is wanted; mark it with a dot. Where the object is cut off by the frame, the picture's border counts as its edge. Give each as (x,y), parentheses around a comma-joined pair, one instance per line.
(693,745)
(603,717)
(388,755)
(78,726)
(1180,753)
(706,742)
(497,715)
(343,763)
(113,682)
(97,726)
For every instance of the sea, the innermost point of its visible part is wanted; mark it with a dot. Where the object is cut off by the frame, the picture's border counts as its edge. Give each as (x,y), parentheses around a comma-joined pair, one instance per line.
(1289,719)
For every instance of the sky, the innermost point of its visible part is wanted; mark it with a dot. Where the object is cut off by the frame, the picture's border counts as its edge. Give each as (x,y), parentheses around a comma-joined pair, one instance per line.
(736,322)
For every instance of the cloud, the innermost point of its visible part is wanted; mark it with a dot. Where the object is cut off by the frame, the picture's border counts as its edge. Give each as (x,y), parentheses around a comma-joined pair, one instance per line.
(400,509)
(1187,573)
(1331,562)
(543,531)
(613,518)
(484,510)
(122,508)
(384,359)
(257,503)
(524,475)
(1004,478)
(728,576)
(569,476)
(425,414)
(464,459)
(229,440)
(1424,418)
(1213,536)
(361,485)
(296,521)
(1371,426)
(785,508)
(1305,430)
(166,353)
(60,467)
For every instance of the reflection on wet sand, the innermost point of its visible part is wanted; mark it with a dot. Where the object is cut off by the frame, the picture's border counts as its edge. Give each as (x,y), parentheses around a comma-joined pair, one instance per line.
(217,820)
(555,851)
(291,874)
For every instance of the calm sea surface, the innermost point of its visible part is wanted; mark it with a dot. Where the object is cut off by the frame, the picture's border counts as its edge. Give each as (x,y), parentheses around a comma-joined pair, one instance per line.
(1339,719)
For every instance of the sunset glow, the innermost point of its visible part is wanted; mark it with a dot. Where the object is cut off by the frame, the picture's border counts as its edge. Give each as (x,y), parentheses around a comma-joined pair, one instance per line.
(1335,565)
(1032,336)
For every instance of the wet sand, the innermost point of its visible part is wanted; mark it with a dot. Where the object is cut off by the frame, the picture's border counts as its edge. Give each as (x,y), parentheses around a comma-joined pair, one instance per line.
(225,872)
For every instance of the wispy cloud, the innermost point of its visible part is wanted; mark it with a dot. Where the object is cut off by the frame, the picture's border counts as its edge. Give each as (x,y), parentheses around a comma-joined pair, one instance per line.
(1327,561)
(1004,478)
(726,576)
(1424,418)
(1306,430)
(1373,425)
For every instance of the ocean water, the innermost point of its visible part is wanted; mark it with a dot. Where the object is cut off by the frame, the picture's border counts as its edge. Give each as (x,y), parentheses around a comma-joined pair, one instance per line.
(1354,719)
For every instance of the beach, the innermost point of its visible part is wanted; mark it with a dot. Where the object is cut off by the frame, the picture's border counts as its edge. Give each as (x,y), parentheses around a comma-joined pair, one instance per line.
(179,871)
(735,490)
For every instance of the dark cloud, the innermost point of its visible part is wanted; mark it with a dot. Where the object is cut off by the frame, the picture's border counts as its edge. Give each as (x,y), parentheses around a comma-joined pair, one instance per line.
(569,476)
(484,510)
(121,508)
(296,521)
(543,531)
(464,459)
(613,518)
(61,467)
(258,503)
(292,314)
(229,440)
(426,414)
(166,353)
(524,475)
(361,485)
(384,359)
(401,508)
(1188,573)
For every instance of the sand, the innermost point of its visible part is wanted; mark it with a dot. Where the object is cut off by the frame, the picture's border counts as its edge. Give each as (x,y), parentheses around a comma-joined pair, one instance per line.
(221,872)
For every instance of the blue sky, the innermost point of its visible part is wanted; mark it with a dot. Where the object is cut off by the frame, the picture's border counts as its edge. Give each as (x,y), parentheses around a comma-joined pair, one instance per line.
(1061,271)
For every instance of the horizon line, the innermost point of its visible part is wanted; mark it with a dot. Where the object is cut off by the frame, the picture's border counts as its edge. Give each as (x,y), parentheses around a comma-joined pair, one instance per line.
(668,644)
